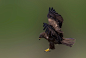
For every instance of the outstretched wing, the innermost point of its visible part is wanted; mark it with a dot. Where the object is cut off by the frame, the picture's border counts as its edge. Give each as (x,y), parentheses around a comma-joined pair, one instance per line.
(56,17)
(55,25)
(51,31)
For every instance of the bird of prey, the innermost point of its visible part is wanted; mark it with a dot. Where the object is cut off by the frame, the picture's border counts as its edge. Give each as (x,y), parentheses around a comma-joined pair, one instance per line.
(53,32)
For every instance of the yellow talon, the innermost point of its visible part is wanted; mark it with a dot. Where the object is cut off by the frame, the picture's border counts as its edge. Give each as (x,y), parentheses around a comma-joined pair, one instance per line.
(47,50)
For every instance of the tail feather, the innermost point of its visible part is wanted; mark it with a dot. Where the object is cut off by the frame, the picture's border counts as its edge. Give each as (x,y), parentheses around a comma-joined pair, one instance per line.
(68,41)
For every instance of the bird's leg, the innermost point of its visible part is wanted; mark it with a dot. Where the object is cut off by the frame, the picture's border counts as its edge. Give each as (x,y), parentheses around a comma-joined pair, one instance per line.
(51,45)
(47,50)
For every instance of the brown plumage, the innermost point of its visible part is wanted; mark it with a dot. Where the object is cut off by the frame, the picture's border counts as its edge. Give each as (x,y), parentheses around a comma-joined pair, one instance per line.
(54,19)
(52,40)
(55,38)
(49,38)
(53,32)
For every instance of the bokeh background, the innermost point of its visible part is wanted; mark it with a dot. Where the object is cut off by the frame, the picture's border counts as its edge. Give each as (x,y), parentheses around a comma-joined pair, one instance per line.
(21,22)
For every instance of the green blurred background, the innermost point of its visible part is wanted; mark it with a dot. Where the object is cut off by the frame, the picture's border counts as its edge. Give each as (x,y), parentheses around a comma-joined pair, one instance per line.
(21,23)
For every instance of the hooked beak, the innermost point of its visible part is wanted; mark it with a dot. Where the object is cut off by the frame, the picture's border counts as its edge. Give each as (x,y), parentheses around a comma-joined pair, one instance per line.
(39,38)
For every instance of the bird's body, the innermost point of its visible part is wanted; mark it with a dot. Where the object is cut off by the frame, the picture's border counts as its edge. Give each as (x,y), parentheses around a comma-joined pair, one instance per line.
(53,32)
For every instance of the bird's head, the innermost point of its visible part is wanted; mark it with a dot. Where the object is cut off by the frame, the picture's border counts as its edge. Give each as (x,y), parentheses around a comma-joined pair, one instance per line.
(41,36)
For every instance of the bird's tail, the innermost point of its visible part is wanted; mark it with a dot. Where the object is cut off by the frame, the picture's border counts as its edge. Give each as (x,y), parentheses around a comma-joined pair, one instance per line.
(68,41)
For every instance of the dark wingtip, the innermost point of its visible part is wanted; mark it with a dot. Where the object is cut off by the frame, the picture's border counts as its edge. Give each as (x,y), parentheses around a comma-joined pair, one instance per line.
(49,7)
(51,10)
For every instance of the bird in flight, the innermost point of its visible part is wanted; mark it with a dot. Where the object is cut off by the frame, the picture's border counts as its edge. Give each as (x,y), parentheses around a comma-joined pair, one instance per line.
(53,32)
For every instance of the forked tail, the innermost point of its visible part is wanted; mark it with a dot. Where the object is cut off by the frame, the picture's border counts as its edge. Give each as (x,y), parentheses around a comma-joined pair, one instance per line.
(68,41)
